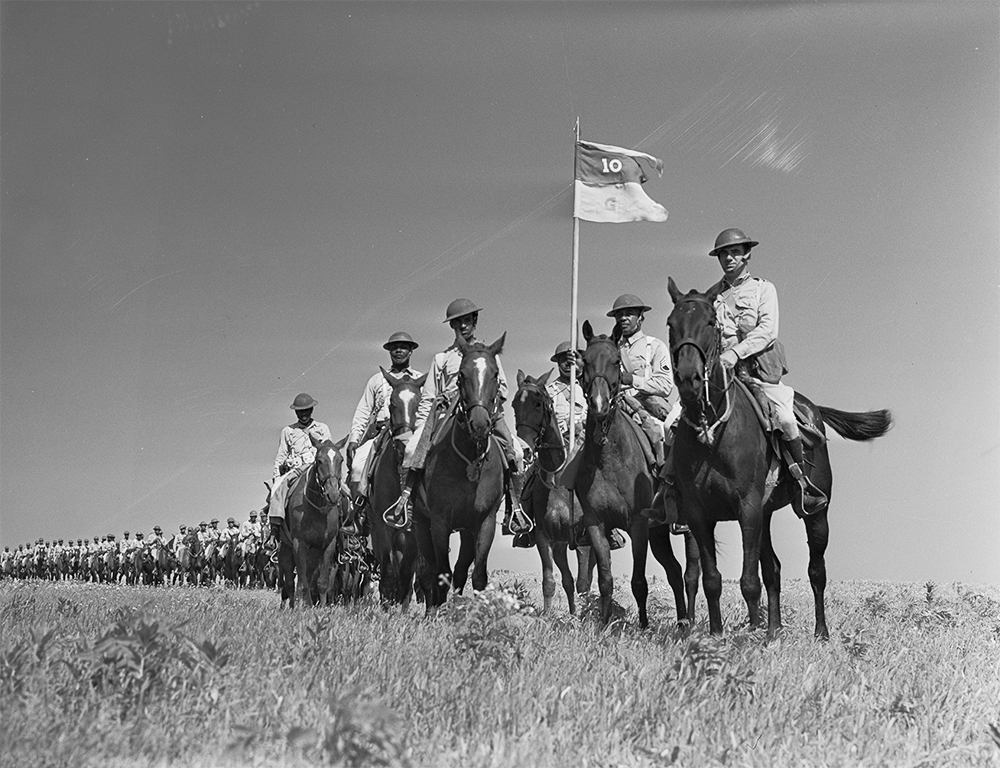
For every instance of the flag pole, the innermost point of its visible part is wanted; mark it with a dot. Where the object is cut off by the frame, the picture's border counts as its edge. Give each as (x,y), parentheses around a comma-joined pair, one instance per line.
(573,300)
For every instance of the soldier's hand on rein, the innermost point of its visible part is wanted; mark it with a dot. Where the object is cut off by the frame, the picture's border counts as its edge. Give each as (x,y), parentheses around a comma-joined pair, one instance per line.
(352,448)
(729,359)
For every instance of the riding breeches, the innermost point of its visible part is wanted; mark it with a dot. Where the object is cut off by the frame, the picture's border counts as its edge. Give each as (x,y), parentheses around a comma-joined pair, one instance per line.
(279,492)
(781,397)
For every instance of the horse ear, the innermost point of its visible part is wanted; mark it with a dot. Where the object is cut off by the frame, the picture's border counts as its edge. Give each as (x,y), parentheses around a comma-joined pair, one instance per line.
(543,380)
(673,290)
(387,377)
(420,382)
(616,333)
(714,292)
(588,332)
(497,346)
(341,442)
(520,377)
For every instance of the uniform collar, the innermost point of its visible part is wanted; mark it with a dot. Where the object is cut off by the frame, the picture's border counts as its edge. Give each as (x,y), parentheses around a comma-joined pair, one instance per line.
(454,344)
(726,285)
(631,340)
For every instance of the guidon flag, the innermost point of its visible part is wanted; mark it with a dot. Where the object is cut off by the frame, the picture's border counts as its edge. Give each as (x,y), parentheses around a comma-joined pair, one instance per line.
(609,185)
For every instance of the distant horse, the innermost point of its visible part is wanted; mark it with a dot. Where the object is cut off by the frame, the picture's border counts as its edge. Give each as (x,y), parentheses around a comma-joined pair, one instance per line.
(309,536)
(727,469)
(614,484)
(190,555)
(395,550)
(557,515)
(110,564)
(463,478)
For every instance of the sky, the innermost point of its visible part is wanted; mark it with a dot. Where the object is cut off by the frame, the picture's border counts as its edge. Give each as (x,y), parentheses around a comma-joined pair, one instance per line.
(207,208)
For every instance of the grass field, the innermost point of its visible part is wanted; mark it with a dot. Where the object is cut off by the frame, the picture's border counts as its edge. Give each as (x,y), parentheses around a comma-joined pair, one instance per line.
(94,675)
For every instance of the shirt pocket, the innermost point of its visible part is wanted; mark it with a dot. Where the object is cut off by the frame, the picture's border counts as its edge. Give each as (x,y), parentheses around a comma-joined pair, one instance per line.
(746,315)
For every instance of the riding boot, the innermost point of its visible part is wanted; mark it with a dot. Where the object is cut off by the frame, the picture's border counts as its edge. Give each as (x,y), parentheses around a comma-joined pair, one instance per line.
(517,521)
(400,513)
(814,500)
(524,540)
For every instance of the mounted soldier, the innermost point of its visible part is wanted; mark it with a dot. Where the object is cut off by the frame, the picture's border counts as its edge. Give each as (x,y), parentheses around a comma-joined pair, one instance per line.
(647,378)
(437,400)
(746,309)
(296,451)
(372,414)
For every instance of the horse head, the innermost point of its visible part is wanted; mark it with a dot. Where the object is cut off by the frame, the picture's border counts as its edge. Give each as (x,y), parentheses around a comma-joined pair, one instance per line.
(328,470)
(534,416)
(602,376)
(694,342)
(403,402)
(479,386)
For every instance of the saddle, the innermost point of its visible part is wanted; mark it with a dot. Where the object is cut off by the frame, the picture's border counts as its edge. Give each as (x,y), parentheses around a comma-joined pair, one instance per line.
(812,434)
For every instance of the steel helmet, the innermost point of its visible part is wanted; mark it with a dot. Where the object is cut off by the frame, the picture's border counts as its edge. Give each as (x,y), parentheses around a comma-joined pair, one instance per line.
(213,521)
(562,349)
(303,402)
(460,308)
(231,520)
(628,301)
(157,528)
(732,236)
(400,337)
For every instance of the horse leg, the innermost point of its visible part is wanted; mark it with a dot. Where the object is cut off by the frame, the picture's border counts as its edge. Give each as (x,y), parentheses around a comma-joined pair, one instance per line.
(585,562)
(663,552)
(326,569)
(751,523)
(544,547)
(711,579)
(466,556)
(692,572)
(559,554)
(484,542)
(407,565)
(639,533)
(818,535)
(601,551)
(770,568)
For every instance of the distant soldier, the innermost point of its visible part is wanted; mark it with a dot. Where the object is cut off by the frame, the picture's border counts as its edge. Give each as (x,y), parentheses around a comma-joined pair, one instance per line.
(296,450)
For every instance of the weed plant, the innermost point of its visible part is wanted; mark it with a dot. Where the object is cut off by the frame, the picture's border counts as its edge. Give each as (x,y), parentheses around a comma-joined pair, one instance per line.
(97,675)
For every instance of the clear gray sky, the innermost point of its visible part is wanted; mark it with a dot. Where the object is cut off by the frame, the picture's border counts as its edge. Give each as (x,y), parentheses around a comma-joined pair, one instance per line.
(210,207)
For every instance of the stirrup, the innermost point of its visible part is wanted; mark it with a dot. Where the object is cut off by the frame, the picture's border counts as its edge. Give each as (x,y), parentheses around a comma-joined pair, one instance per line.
(520,522)
(811,503)
(398,515)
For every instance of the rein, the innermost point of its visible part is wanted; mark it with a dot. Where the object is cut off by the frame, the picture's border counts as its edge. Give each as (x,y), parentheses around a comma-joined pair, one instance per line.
(706,432)
(539,444)
(604,424)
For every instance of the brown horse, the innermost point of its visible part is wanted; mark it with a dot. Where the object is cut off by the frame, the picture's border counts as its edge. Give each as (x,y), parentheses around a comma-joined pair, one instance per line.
(395,550)
(614,484)
(557,515)
(463,478)
(312,521)
(727,469)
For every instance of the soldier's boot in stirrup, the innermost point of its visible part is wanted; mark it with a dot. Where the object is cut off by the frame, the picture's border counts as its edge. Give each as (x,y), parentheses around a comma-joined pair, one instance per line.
(813,499)
(519,522)
(400,513)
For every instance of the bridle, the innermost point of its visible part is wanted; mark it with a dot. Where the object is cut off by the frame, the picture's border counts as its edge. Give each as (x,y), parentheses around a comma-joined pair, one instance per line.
(545,426)
(604,422)
(323,483)
(463,414)
(710,359)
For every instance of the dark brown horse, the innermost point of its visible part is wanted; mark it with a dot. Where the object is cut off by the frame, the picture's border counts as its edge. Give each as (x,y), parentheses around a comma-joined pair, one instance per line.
(313,514)
(395,550)
(463,478)
(557,515)
(614,484)
(727,469)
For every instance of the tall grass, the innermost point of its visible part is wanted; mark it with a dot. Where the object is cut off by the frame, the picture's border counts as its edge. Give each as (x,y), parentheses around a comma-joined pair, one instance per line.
(116,676)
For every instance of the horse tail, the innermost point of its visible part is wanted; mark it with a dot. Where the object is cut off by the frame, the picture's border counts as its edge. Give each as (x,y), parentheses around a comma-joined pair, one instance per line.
(857,426)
